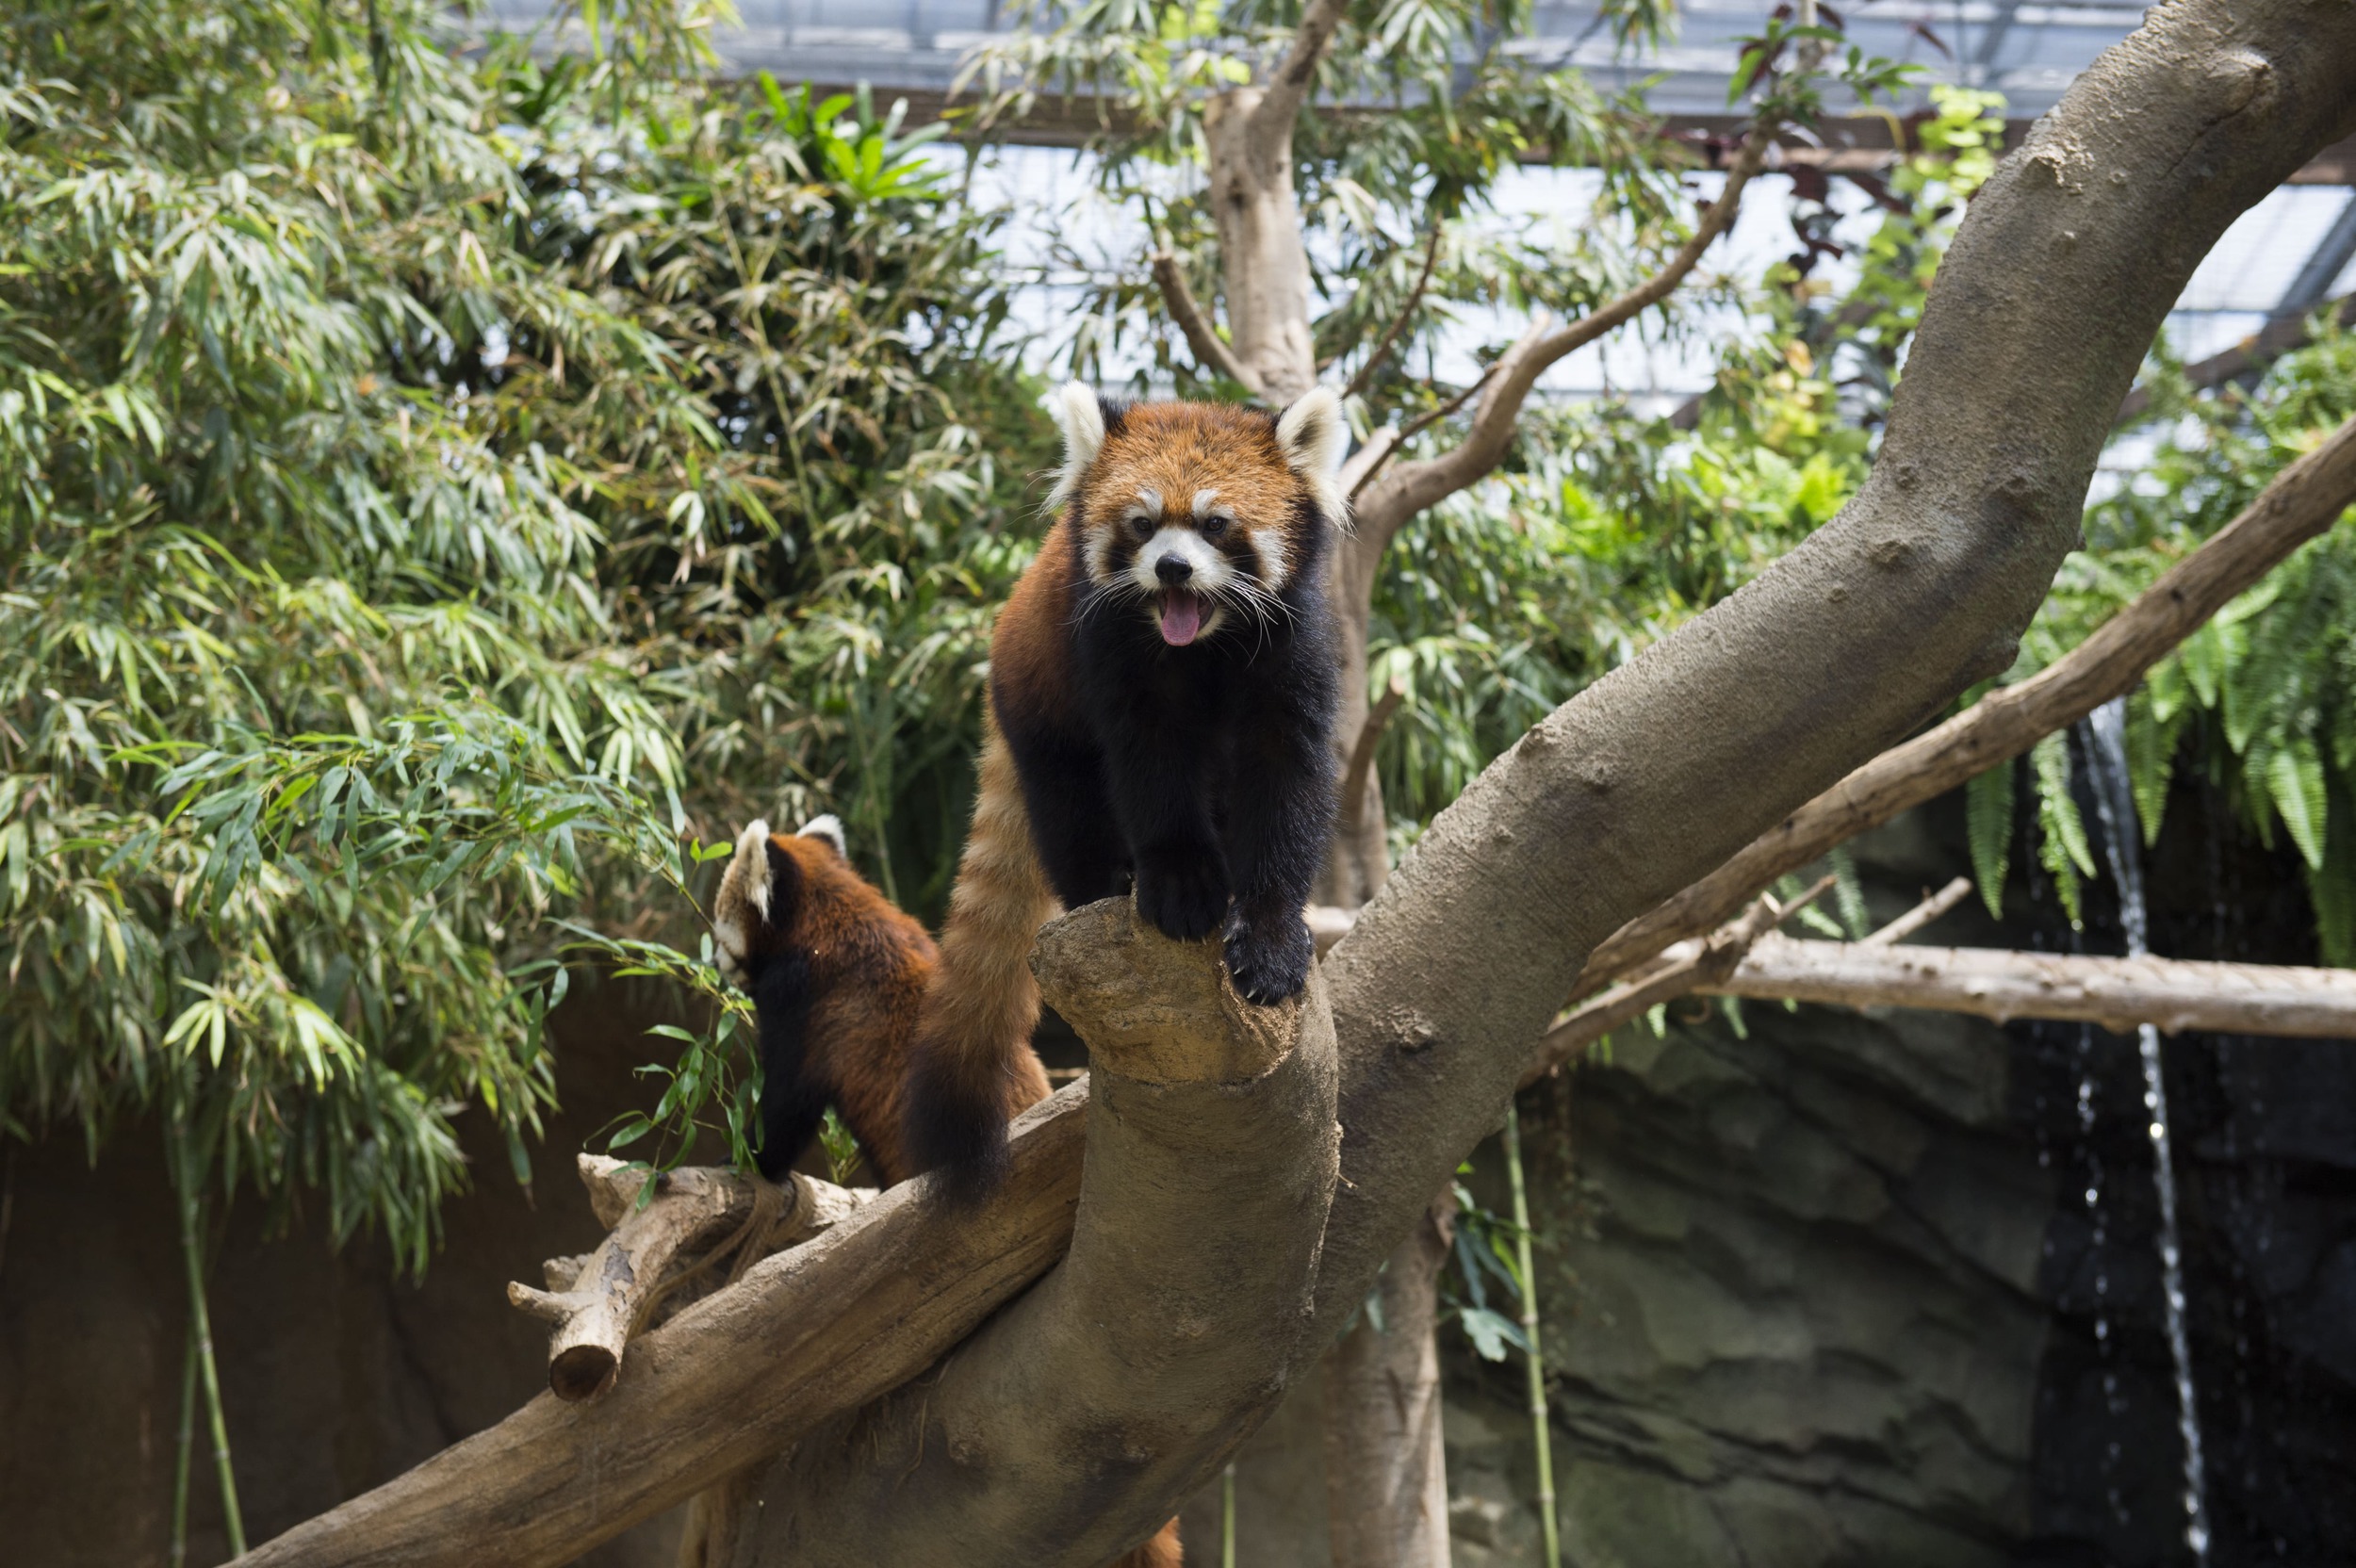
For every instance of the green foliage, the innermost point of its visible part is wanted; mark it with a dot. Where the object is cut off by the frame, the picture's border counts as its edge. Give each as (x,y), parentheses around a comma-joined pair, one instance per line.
(2260,700)
(430,488)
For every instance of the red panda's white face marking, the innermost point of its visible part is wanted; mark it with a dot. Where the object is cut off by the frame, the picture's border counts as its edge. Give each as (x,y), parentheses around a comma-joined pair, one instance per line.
(1198,512)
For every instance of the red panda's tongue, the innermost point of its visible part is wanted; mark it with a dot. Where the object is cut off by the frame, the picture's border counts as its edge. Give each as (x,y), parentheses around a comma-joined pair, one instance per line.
(1182,617)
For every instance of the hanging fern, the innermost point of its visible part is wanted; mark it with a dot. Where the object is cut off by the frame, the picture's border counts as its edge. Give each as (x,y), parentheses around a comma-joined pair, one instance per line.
(2260,702)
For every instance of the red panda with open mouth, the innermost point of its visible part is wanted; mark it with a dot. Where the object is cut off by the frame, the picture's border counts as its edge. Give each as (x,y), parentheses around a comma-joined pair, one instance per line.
(1162,693)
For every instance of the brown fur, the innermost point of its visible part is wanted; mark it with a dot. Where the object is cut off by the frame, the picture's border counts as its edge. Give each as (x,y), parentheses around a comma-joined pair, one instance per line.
(868,964)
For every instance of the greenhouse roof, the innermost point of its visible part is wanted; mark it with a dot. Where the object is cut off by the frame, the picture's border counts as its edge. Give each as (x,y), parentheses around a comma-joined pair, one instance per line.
(2289,253)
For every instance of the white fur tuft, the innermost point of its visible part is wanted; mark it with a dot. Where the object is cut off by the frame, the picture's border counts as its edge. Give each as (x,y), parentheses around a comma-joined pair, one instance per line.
(1082,420)
(746,882)
(1313,435)
(828,827)
(750,866)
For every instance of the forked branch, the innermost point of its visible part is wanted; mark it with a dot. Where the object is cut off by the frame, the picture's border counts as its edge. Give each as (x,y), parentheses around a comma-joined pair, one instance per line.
(1413,486)
(1211,350)
(1288,88)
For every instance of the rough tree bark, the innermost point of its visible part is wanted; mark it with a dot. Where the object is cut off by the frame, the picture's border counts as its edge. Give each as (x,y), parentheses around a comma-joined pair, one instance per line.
(2065,265)
(1385,1471)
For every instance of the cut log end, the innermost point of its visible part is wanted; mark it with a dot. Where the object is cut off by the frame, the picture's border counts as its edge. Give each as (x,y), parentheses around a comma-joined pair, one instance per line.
(582,1372)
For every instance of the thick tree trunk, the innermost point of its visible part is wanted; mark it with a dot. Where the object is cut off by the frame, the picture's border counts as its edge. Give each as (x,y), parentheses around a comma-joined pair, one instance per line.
(1266,271)
(1385,1475)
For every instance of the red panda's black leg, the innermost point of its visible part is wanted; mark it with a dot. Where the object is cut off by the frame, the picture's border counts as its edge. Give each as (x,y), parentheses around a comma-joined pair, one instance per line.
(791,1104)
(1279,817)
(1070,817)
(1158,798)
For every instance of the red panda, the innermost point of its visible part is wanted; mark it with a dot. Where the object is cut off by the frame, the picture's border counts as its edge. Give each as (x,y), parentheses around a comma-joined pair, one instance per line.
(836,972)
(1162,690)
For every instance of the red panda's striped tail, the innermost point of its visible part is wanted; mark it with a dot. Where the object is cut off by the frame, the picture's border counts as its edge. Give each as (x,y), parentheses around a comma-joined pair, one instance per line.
(971,1069)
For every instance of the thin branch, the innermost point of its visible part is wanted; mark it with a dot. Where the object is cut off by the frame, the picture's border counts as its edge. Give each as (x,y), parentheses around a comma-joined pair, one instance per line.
(1703,963)
(2305,499)
(1362,758)
(1398,324)
(2279,336)
(1210,349)
(2119,994)
(1420,484)
(1922,914)
(1368,459)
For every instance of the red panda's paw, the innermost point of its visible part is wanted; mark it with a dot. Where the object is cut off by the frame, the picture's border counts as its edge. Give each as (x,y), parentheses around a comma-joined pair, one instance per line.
(1268,959)
(1182,893)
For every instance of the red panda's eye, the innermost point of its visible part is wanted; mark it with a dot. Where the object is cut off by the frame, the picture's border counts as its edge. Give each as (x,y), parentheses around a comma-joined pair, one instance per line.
(1214,527)
(1142,524)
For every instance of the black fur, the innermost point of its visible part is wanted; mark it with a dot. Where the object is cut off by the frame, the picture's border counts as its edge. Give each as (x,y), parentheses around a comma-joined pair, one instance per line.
(1205,772)
(791,1101)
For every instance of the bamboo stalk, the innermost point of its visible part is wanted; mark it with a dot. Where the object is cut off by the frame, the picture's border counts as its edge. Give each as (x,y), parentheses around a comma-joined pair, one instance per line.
(188,1442)
(1535,1357)
(1227,1516)
(201,1326)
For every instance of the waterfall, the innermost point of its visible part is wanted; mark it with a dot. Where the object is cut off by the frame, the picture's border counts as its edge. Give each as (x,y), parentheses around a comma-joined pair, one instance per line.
(2114,800)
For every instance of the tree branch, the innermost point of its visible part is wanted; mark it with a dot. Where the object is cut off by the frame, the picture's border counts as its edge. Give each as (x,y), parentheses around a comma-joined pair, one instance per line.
(2117,993)
(600,1301)
(1413,486)
(809,1333)
(1210,349)
(1362,755)
(1288,89)
(1702,965)
(1922,914)
(1398,324)
(1088,1408)
(2304,499)
(1368,461)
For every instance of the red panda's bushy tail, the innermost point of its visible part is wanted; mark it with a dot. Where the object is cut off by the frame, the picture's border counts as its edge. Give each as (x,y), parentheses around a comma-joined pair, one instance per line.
(971,1069)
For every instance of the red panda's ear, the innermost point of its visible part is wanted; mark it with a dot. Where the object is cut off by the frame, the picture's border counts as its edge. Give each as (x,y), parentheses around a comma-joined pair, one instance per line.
(1080,415)
(827,829)
(1312,434)
(757,894)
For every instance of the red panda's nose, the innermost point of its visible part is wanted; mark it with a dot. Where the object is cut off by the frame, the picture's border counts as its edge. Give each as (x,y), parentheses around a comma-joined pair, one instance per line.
(1173,569)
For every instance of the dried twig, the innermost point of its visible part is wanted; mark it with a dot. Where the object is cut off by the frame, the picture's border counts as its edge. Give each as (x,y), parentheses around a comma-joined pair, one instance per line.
(1922,914)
